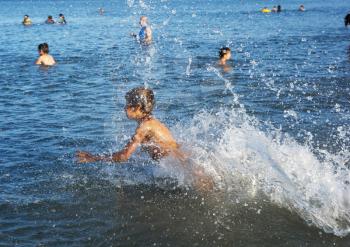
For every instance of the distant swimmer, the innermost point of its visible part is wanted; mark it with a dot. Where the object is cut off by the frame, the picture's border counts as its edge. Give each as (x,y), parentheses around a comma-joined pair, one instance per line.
(101,11)
(347,19)
(279,8)
(151,135)
(45,58)
(224,54)
(301,8)
(26,20)
(265,10)
(50,20)
(145,34)
(61,19)
(274,9)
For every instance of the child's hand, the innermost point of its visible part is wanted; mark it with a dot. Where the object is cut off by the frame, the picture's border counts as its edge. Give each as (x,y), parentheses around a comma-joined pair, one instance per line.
(85,157)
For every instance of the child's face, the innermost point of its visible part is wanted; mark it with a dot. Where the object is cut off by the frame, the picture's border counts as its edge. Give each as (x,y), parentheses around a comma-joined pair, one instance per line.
(133,112)
(228,55)
(143,21)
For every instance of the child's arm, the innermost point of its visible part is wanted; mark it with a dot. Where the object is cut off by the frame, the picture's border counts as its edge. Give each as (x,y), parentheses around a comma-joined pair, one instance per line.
(38,61)
(123,155)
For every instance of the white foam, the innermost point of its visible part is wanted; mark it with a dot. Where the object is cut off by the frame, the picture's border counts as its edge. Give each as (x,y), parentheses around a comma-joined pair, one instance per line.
(231,146)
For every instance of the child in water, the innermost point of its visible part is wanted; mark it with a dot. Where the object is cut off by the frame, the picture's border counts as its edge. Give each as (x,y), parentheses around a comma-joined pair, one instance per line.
(45,58)
(224,54)
(26,20)
(154,137)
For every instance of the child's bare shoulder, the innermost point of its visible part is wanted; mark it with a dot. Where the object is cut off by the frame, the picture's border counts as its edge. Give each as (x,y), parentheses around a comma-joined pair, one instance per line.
(151,124)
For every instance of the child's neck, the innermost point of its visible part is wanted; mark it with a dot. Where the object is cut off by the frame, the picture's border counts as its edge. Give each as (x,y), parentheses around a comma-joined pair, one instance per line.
(223,61)
(144,119)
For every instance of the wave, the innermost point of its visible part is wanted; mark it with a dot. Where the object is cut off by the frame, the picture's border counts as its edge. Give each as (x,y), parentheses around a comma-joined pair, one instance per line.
(248,159)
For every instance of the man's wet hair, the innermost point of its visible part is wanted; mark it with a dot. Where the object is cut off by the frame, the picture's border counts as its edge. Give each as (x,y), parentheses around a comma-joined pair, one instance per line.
(43,47)
(223,51)
(141,97)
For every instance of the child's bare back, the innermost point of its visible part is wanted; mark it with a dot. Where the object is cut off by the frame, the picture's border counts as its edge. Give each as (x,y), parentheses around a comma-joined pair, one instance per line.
(156,138)
(45,58)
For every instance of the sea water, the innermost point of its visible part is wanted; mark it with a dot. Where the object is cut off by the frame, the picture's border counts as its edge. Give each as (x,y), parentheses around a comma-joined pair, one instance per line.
(272,129)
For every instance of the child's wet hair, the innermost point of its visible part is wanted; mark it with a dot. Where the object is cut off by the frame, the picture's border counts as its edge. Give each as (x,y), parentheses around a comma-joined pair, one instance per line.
(44,47)
(141,97)
(223,51)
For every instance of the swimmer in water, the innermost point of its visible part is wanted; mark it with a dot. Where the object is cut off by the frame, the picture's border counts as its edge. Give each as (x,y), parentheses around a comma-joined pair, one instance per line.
(152,135)
(50,20)
(45,58)
(347,20)
(224,54)
(26,20)
(279,8)
(101,11)
(301,8)
(145,34)
(274,9)
(61,19)
(265,10)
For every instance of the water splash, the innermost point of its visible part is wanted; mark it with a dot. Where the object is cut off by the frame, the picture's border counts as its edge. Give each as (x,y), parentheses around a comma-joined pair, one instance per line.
(247,161)
(188,68)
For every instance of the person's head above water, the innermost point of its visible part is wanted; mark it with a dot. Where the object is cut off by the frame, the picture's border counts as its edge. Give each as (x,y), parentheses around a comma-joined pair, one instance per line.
(61,15)
(139,99)
(225,53)
(143,21)
(43,48)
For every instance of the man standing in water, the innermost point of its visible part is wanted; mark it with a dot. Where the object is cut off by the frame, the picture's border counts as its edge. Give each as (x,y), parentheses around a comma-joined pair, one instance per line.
(145,34)
(347,20)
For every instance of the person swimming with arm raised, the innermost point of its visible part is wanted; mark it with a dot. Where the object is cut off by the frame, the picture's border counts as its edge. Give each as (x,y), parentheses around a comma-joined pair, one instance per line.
(145,33)
(45,58)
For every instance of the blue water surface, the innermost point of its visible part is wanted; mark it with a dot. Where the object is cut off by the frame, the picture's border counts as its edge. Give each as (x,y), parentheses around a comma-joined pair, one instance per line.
(289,71)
